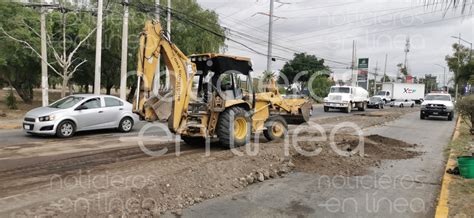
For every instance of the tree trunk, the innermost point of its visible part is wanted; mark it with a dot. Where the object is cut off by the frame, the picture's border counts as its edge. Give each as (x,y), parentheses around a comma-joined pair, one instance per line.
(132,93)
(25,93)
(71,88)
(109,89)
(64,87)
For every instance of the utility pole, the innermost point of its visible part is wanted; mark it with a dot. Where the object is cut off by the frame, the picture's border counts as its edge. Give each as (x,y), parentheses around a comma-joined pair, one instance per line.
(98,48)
(385,69)
(44,57)
(123,65)
(168,33)
(156,79)
(375,77)
(405,64)
(168,25)
(270,37)
(354,60)
(444,74)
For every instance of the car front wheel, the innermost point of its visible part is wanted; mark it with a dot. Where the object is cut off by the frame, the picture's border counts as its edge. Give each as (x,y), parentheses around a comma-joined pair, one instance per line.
(65,129)
(126,124)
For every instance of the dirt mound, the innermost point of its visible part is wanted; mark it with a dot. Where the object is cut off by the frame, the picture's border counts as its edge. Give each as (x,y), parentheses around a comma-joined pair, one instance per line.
(346,157)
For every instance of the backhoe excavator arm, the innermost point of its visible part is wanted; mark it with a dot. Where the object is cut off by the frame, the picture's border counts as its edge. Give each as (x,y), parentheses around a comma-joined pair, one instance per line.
(154,43)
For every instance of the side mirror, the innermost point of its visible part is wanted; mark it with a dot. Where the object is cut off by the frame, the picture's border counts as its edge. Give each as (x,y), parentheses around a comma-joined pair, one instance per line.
(81,107)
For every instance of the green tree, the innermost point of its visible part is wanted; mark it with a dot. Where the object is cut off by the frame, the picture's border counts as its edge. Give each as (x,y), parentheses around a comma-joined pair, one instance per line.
(385,78)
(321,85)
(302,62)
(19,66)
(461,64)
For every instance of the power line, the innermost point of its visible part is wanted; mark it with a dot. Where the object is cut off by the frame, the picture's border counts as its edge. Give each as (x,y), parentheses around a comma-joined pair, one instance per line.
(183,17)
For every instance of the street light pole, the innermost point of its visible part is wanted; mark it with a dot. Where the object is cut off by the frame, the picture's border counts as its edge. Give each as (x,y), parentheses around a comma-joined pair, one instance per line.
(461,39)
(459,56)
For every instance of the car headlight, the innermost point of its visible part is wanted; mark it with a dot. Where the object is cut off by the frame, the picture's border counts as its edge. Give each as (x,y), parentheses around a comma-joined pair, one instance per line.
(46,118)
(423,106)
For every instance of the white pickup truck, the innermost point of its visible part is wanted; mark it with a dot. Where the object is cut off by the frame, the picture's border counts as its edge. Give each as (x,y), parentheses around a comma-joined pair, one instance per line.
(346,98)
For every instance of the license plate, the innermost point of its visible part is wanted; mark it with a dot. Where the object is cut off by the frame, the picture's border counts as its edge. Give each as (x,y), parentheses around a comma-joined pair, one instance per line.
(334,104)
(27,127)
(435,113)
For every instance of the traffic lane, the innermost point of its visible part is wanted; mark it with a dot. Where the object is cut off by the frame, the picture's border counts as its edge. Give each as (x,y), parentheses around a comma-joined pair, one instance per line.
(18,136)
(402,188)
(318,112)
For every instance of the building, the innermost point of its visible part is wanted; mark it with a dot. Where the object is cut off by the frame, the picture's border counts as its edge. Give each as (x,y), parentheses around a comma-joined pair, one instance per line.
(431,82)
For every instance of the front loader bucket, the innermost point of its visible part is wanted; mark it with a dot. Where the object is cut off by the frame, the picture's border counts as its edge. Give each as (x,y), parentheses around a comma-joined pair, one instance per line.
(303,116)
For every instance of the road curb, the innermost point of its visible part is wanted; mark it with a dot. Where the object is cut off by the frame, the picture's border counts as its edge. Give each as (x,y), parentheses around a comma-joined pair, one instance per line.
(442,209)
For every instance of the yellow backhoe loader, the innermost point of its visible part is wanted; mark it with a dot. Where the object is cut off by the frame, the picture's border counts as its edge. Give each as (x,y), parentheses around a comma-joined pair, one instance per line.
(211,95)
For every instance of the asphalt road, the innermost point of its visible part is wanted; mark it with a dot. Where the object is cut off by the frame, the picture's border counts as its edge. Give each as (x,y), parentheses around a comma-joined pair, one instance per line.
(402,188)
(19,137)
(318,112)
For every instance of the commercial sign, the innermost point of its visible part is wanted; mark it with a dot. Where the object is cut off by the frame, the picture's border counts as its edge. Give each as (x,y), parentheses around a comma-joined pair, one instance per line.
(363,73)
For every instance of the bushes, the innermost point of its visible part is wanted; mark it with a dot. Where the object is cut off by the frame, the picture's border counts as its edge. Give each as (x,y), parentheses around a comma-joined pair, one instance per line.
(465,108)
(11,101)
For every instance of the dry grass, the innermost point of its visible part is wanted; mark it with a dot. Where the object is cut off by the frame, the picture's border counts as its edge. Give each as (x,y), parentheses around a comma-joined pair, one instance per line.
(461,191)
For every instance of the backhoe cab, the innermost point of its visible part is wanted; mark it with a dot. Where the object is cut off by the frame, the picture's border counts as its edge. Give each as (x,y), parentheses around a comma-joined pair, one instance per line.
(211,95)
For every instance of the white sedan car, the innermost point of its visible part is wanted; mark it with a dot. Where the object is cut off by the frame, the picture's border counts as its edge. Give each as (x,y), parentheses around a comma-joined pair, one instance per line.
(78,113)
(402,103)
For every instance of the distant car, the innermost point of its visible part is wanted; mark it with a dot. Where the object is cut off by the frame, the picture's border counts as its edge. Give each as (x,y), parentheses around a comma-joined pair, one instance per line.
(437,104)
(376,102)
(402,103)
(76,113)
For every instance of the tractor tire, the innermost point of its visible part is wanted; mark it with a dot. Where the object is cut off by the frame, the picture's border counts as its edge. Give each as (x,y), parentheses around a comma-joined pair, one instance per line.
(363,107)
(234,128)
(276,128)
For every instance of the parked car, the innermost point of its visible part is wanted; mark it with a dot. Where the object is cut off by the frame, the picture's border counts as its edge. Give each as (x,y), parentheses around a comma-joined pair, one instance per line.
(76,113)
(402,103)
(437,105)
(376,102)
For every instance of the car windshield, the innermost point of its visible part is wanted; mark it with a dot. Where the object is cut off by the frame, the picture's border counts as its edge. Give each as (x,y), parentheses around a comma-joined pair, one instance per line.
(66,102)
(340,90)
(438,98)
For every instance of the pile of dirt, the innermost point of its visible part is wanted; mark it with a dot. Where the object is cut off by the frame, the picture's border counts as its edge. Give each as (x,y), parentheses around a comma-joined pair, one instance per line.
(346,157)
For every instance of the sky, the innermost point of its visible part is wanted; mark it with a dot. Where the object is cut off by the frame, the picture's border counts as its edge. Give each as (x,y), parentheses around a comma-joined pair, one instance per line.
(327,29)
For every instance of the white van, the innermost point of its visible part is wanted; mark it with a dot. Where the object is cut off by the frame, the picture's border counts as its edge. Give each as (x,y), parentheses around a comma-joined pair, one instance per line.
(346,98)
